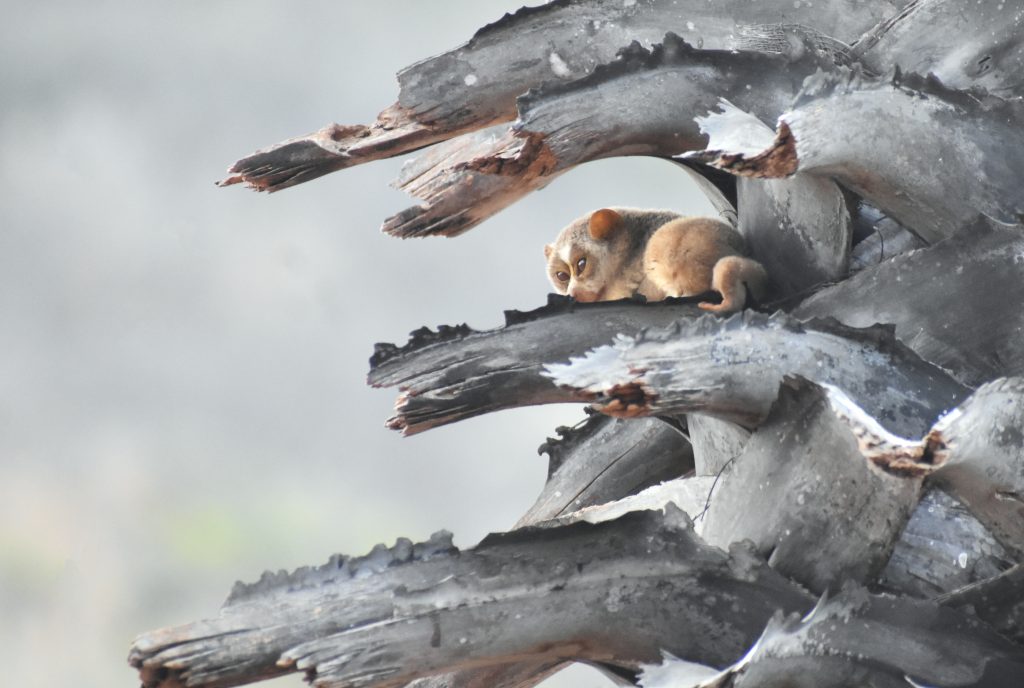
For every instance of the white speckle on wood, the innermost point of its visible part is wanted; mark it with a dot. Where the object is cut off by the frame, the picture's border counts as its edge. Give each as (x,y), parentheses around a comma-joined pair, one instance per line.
(470,79)
(558,66)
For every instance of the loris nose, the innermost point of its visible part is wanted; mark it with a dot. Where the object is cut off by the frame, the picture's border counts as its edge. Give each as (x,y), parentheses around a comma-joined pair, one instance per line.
(581,295)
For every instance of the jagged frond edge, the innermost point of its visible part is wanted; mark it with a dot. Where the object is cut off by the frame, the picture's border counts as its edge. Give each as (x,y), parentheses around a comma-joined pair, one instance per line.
(671,519)
(381,557)
(557,304)
(850,79)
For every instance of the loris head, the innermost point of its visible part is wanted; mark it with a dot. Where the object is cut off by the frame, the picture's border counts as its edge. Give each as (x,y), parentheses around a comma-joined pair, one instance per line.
(586,259)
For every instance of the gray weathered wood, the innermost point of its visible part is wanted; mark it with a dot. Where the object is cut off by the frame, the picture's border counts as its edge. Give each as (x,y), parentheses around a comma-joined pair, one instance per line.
(261,620)
(732,368)
(818,485)
(983,48)
(804,496)
(998,601)
(607,459)
(729,369)
(460,373)
(513,675)
(535,595)
(976,452)
(799,228)
(719,188)
(957,304)
(715,442)
(560,126)
(877,237)
(856,639)
(691,494)
(982,462)
(962,140)
(476,84)
(539,597)
(601,460)
(943,548)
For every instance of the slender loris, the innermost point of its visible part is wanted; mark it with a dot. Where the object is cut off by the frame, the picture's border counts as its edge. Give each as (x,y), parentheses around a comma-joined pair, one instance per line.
(614,253)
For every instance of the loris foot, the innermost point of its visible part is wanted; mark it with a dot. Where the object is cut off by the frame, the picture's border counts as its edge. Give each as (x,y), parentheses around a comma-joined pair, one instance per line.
(723,307)
(731,277)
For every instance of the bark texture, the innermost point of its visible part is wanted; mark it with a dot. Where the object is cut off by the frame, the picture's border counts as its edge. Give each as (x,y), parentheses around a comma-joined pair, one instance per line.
(976,452)
(458,372)
(792,515)
(543,595)
(476,84)
(963,140)
(732,369)
(859,640)
(828,495)
(562,125)
(605,459)
(954,303)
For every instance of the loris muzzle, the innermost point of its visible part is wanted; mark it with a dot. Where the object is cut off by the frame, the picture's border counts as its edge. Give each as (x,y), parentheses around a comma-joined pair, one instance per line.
(614,253)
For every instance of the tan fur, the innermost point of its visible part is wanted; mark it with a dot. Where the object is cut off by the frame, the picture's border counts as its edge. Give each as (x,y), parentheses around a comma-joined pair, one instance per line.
(655,253)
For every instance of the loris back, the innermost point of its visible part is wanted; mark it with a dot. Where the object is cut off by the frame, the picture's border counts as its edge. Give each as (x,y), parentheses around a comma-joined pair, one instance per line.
(614,253)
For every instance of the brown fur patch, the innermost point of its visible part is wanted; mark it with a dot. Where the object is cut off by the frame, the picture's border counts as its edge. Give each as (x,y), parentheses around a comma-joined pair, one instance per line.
(602,223)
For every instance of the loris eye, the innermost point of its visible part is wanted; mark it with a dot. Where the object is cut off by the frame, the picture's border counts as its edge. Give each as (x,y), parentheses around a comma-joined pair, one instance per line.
(562,276)
(580,264)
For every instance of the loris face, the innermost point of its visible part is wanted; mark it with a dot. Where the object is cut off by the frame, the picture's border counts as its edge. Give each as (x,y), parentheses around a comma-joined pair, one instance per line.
(581,262)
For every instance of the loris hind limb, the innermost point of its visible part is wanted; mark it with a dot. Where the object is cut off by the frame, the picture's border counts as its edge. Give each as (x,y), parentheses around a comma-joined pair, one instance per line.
(692,255)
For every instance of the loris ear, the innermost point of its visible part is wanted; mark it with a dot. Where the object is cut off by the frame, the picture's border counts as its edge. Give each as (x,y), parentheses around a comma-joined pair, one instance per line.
(603,222)
(548,250)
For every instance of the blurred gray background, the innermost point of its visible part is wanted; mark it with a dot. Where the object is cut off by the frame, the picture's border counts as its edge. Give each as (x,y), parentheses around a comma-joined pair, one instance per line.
(182,368)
